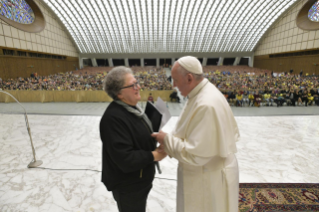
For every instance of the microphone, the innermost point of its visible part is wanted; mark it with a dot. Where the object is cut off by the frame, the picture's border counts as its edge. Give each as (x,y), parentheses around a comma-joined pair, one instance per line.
(35,162)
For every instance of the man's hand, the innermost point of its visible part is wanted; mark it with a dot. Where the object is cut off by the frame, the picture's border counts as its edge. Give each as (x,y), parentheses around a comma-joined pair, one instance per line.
(160,148)
(159,155)
(159,137)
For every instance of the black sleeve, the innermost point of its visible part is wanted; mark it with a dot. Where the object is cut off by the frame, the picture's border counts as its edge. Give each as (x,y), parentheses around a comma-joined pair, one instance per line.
(119,145)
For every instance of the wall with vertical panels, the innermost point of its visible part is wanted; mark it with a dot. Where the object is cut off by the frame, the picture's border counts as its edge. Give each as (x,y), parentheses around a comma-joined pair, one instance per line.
(15,66)
(285,36)
(308,63)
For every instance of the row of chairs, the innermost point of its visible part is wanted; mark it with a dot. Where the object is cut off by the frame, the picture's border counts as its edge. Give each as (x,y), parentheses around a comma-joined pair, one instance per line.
(266,103)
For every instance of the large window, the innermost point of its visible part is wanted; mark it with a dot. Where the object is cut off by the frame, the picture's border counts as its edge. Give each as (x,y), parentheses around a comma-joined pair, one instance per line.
(313,13)
(17,10)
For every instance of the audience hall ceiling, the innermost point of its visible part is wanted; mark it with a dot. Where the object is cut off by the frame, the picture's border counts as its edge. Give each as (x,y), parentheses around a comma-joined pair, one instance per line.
(167,26)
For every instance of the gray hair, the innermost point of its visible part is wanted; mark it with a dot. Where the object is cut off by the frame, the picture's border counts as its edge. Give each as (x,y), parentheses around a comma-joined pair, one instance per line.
(115,80)
(182,71)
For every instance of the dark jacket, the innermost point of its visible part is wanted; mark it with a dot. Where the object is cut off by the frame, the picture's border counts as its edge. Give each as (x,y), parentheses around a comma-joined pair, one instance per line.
(127,159)
(313,92)
(231,96)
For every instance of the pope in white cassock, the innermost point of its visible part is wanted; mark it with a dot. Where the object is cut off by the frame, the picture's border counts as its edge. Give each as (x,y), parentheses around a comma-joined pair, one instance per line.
(204,143)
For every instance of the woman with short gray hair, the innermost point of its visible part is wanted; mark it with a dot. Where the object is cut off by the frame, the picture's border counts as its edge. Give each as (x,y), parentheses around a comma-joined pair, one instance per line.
(114,81)
(129,151)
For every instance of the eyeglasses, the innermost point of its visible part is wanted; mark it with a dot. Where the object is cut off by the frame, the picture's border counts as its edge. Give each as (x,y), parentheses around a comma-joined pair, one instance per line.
(135,86)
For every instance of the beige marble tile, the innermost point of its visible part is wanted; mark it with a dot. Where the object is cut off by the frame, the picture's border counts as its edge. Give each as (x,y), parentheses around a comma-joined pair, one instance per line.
(271,149)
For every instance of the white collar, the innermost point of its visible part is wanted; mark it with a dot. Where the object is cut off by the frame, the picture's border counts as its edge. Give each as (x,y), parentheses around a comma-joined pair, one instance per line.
(198,87)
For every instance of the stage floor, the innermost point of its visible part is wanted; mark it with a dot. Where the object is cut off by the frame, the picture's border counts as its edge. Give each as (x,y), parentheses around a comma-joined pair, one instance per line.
(279,149)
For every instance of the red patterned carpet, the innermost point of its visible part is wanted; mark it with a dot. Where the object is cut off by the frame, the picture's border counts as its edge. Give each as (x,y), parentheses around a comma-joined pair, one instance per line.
(268,197)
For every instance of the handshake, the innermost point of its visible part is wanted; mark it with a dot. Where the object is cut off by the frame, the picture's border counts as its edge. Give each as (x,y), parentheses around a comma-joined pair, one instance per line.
(159,152)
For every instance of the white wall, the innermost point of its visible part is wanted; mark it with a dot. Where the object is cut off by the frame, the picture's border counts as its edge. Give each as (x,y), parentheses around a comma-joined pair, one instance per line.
(53,39)
(285,36)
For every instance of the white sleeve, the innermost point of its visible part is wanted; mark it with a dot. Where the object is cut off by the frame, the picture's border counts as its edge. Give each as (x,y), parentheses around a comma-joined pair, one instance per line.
(175,147)
(210,132)
(196,148)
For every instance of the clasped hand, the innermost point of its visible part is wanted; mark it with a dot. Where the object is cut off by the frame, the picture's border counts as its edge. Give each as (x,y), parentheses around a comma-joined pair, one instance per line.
(159,137)
(159,152)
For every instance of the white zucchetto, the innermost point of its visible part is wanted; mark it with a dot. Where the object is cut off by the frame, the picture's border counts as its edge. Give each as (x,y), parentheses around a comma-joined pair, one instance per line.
(191,64)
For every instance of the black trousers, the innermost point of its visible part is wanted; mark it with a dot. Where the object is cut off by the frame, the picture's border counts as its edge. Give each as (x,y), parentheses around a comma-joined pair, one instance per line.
(305,99)
(279,102)
(133,201)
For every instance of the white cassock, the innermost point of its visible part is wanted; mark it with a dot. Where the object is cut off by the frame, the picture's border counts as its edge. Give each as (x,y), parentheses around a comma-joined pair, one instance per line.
(204,144)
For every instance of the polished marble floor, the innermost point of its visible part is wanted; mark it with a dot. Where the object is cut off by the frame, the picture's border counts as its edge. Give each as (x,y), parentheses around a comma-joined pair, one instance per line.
(271,149)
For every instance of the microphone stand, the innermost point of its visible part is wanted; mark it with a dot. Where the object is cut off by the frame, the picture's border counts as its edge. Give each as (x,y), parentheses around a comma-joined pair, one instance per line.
(35,162)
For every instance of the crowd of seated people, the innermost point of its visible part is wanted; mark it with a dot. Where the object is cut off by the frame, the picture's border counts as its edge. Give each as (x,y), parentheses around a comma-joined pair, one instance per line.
(89,79)
(152,78)
(253,87)
(55,82)
(241,85)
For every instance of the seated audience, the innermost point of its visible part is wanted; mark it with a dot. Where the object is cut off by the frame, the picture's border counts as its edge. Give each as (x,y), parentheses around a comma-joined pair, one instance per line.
(316,99)
(251,98)
(245,97)
(239,99)
(150,98)
(267,98)
(280,99)
(231,97)
(239,84)
(310,99)
(174,96)
(304,97)
(257,98)
(273,98)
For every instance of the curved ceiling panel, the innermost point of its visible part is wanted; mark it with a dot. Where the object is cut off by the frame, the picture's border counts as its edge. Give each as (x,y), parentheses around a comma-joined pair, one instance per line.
(160,26)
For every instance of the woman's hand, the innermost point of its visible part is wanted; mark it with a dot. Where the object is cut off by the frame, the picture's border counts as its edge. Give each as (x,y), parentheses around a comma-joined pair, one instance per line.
(159,155)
